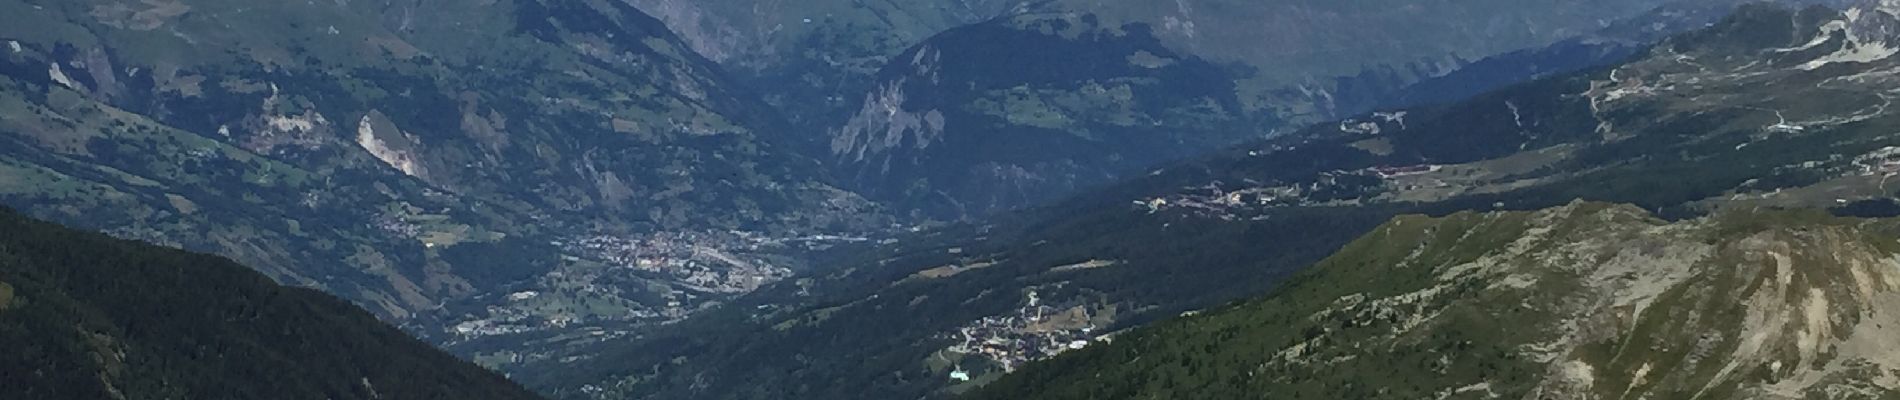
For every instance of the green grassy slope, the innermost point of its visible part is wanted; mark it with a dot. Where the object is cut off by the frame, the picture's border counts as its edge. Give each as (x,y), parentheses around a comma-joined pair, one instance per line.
(1582,301)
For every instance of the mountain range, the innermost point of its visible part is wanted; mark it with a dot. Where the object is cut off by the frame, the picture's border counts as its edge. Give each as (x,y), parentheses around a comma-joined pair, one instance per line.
(1059,199)
(965,109)
(492,174)
(1768,108)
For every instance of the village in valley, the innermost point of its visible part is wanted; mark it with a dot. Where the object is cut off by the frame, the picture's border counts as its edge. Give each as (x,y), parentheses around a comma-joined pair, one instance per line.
(607,283)
(1036,331)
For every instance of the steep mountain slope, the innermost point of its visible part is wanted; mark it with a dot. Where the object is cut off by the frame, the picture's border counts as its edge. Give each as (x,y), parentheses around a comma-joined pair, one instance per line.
(1613,44)
(438,98)
(1130,93)
(1587,301)
(1769,108)
(812,58)
(426,161)
(85,316)
(1048,106)
(815,47)
(842,69)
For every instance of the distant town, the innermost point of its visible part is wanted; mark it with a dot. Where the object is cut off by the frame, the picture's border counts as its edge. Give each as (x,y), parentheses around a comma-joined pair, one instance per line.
(640,279)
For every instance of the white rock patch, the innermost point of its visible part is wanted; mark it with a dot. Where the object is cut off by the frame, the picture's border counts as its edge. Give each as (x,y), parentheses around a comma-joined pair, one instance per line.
(366,137)
(1856,53)
(296,123)
(60,76)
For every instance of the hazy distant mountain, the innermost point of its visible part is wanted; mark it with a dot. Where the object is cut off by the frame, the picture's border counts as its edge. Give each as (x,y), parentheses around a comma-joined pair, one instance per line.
(986,138)
(809,50)
(1019,111)
(1028,109)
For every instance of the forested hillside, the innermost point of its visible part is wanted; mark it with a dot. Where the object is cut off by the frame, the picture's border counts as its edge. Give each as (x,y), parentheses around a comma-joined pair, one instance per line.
(86,316)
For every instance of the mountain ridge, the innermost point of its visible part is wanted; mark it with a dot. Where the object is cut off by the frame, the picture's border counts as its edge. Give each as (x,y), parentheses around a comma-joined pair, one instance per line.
(1582,301)
(834,79)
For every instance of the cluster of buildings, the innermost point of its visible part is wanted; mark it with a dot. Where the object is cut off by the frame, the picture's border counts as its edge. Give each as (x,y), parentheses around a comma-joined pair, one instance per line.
(1033,332)
(396,224)
(1883,162)
(718,262)
(608,282)
(1220,202)
(489,327)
